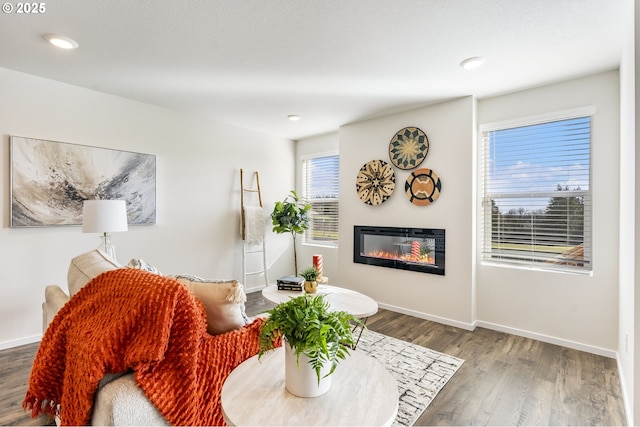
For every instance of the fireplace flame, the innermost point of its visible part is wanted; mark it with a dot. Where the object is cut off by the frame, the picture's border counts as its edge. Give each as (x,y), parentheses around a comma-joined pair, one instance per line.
(424,259)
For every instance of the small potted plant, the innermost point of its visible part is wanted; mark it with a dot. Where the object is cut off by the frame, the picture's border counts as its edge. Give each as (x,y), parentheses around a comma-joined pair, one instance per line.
(315,340)
(310,275)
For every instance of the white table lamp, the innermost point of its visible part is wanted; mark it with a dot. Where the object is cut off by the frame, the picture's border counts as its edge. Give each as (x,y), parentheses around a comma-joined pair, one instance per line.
(104,216)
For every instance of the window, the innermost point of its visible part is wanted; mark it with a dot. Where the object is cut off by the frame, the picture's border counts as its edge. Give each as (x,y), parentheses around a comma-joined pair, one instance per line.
(536,193)
(320,187)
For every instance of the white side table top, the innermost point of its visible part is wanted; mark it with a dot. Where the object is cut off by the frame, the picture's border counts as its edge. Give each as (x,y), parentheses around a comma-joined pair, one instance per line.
(362,392)
(340,299)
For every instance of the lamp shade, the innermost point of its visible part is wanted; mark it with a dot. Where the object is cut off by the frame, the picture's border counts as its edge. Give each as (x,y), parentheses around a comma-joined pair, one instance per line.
(104,216)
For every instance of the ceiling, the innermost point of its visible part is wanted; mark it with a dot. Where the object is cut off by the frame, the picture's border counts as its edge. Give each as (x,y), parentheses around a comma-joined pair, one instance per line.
(251,63)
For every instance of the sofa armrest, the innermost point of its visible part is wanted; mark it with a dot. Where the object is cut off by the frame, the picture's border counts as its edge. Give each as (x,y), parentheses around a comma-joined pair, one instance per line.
(54,299)
(122,403)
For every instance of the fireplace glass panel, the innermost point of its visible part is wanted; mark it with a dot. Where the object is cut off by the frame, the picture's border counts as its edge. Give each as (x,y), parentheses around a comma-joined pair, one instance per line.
(415,249)
(421,251)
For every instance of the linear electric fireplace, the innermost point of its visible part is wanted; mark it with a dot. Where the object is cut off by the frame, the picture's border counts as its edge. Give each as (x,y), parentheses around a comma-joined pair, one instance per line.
(415,249)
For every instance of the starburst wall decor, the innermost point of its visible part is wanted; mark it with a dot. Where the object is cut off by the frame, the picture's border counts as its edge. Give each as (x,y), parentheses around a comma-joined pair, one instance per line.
(375,182)
(408,148)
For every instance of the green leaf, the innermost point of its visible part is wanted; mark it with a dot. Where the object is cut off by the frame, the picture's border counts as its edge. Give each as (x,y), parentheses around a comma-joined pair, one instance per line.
(290,215)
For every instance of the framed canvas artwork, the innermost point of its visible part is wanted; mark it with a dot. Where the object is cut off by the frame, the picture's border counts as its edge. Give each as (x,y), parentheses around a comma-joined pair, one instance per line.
(50,181)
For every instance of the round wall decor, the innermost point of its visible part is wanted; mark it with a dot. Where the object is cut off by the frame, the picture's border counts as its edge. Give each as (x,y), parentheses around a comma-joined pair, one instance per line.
(422,187)
(375,182)
(408,148)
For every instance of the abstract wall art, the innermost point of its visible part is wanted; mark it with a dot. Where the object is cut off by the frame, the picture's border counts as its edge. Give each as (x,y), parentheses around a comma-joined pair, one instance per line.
(50,180)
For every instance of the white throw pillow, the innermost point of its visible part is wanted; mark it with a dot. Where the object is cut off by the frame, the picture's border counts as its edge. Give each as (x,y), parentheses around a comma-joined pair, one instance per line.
(85,267)
(223,302)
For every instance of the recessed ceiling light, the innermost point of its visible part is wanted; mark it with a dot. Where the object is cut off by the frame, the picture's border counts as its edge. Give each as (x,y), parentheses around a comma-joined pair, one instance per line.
(293,117)
(471,63)
(61,41)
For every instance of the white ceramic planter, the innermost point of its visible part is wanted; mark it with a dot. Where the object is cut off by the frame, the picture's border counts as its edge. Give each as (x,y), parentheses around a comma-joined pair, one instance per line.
(302,380)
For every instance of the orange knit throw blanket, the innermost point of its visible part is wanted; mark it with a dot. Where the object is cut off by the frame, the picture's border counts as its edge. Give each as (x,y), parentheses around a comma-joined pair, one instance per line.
(129,319)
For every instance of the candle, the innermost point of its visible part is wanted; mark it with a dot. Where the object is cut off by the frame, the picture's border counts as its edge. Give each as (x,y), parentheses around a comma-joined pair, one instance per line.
(415,250)
(317,263)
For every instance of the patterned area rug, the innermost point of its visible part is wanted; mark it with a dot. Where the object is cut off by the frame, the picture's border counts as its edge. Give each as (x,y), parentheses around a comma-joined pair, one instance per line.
(420,372)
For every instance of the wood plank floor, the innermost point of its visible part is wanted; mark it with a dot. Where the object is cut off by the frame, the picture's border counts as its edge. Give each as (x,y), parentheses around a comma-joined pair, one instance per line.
(15,366)
(505,379)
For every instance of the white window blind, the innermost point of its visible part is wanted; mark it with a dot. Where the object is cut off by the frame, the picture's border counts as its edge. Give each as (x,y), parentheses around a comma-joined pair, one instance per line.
(537,194)
(320,188)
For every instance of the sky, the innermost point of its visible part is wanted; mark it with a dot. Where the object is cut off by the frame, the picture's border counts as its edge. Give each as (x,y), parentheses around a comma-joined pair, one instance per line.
(325,181)
(537,158)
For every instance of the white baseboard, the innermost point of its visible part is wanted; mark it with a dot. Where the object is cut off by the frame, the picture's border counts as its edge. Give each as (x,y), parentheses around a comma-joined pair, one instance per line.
(419,315)
(21,341)
(628,405)
(506,329)
(549,339)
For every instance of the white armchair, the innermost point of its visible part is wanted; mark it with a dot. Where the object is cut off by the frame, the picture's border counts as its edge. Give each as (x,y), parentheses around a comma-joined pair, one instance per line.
(118,401)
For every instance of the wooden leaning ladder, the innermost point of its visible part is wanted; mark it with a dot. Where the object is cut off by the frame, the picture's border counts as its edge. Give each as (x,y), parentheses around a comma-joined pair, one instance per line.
(246,247)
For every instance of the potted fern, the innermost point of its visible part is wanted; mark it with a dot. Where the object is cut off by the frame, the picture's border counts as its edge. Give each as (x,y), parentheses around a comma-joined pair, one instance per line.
(315,340)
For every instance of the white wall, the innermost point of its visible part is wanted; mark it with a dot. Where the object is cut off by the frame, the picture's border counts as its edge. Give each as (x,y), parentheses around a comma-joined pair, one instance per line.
(198,196)
(627,334)
(576,310)
(327,143)
(450,129)
(634,397)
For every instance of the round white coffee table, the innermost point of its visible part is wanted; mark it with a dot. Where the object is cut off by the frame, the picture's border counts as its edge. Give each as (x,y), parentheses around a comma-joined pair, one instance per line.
(340,299)
(362,392)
